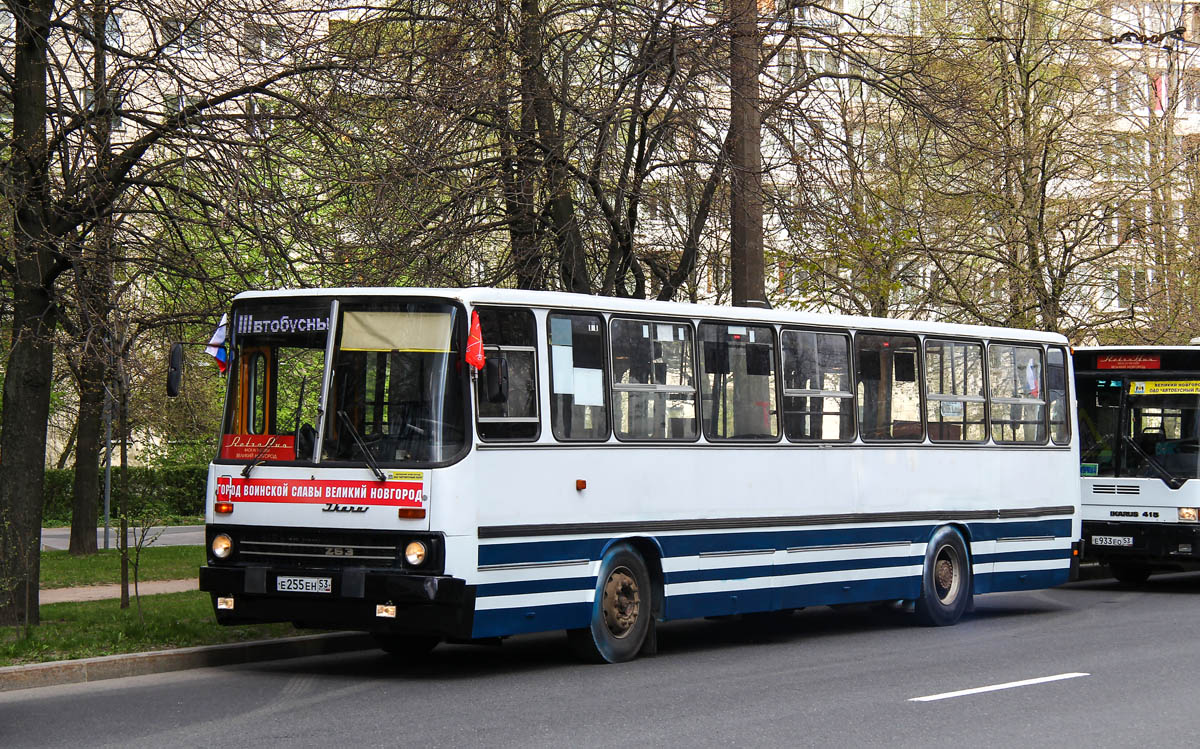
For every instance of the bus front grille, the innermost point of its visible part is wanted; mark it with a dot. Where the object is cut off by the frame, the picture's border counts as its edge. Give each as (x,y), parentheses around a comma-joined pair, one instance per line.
(1116,489)
(316,548)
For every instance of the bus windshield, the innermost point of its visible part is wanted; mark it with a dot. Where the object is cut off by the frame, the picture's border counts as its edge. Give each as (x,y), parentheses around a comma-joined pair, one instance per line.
(1140,427)
(396,383)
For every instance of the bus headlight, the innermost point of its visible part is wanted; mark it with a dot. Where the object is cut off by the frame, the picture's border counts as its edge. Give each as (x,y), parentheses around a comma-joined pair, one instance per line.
(415,553)
(1188,514)
(222,546)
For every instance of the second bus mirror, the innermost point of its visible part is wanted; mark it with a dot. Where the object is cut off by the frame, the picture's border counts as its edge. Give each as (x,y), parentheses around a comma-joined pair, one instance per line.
(495,370)
(174,369)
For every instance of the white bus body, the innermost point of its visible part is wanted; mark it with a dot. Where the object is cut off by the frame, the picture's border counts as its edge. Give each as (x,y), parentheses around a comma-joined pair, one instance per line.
(1139,420)
(525,531)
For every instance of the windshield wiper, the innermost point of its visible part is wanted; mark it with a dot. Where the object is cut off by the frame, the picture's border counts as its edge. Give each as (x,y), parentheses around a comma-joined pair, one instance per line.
(255,461)
(1171,479)
(361,446)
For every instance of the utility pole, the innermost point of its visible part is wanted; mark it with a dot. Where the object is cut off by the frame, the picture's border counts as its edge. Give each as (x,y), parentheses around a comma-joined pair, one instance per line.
(747,269)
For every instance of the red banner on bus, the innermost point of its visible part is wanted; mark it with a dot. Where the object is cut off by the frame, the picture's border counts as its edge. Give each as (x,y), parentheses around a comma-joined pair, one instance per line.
(320,491)
(1128,361)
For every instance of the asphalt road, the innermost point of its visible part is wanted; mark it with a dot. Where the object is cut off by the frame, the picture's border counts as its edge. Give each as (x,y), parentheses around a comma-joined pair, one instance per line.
(175,535)
(821,677)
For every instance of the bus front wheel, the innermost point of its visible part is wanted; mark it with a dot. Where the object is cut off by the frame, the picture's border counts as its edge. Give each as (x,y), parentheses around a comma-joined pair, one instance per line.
(406,648)
(622,610)
(1130,574)
(945,580)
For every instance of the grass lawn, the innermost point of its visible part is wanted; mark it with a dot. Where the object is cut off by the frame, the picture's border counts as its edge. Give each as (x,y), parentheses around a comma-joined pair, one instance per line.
(91,628)
(61,570)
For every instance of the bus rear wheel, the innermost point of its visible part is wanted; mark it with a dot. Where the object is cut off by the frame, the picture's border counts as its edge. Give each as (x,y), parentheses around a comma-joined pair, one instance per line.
(622,610)
(946,579)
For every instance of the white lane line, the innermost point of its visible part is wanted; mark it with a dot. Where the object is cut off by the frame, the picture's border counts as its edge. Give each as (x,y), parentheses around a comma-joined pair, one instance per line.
(996,687)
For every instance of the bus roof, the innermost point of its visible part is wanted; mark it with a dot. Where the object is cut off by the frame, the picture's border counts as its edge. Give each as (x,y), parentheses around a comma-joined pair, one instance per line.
(569,301)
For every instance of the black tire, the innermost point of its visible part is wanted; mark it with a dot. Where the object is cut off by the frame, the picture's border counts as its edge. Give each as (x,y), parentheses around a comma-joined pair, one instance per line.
(946,584)
(406,648)
(622,611)
(1130,574)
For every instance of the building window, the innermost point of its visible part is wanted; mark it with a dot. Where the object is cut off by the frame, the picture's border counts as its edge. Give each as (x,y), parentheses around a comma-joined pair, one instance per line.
(263,41)
(183,36)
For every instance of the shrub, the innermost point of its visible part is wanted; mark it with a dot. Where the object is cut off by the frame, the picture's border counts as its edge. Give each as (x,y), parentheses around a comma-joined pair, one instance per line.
(177,490)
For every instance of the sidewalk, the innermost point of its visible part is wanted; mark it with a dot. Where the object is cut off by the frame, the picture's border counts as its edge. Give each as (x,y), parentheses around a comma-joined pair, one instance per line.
(100,592)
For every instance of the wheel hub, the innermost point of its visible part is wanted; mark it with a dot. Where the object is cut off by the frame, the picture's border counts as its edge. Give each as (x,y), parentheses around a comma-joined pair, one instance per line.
(946,575)
(621,602)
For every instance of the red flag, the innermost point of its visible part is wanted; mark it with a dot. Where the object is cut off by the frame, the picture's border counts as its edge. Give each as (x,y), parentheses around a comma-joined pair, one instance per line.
(474,355)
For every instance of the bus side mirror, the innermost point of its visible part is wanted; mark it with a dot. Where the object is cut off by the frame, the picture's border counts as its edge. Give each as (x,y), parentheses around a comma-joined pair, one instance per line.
(496,371)
(174,369)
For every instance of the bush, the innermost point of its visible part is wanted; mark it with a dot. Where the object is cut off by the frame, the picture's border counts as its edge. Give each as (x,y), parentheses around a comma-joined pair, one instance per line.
(176,491)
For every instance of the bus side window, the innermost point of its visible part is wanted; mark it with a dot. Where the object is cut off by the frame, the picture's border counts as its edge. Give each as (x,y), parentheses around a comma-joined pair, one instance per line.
(889,396)
(510,334)
(1056,388)
(654,388)
(818,399)
(955,405)
(737,375)
(1016,393)
(578,392)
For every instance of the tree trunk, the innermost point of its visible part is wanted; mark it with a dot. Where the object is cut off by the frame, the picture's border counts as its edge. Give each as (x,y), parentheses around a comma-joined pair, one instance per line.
(87,453)
(745,123)
(27,380)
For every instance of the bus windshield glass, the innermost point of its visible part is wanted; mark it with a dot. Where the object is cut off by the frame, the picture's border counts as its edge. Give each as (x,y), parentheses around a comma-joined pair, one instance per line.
(275,372)
(1140,427)
(398,386)
(397,390)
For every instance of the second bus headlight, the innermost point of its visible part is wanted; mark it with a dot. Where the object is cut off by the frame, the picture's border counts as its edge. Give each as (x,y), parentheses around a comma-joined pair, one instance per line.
(415,553)
(1188,514)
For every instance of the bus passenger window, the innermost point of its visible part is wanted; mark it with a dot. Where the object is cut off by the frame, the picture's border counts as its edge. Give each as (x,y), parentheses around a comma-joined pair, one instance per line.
(955,405)
(654,390)
(1018,400)
(510,334)
(889,397)
(578,408)
(737,372)
(1056,388)
(818,400)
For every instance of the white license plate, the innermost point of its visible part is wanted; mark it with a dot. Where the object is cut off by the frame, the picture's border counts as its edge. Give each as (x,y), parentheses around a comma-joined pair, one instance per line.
(304,584)
(1112,540)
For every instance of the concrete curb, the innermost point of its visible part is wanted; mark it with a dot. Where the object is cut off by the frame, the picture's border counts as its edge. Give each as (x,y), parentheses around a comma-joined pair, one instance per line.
(162,661)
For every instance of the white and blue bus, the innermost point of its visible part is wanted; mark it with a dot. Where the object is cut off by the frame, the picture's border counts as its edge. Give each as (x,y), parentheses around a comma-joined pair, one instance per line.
(468,464)
(1139,431)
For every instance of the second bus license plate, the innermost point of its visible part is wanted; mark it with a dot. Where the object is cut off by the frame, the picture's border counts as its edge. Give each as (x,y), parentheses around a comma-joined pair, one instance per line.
(304,584)
(1112,540)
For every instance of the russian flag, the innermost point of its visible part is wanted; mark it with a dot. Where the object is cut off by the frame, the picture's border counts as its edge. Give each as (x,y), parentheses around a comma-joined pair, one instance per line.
(216,344)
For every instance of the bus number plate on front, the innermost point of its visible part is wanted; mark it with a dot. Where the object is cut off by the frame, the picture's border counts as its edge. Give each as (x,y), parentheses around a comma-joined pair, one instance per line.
(1112,540)
(304,584)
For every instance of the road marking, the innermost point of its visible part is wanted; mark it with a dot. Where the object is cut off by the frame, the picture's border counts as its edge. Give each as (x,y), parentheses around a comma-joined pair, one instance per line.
(997,687)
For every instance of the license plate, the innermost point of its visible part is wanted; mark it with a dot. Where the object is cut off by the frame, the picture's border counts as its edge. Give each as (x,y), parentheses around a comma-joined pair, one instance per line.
(304,584)
(1112,540)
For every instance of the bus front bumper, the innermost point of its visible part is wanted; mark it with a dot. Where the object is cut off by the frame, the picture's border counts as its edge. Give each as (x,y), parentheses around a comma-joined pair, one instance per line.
(1158,545)
(423,604)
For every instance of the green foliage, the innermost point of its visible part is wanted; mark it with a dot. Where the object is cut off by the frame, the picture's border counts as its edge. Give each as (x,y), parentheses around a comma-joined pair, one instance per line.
(165,492)
(92,628)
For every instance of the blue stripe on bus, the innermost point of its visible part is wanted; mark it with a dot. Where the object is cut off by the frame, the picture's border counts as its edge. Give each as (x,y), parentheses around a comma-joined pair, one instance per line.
(691,545)
(499,622)
(996,582)
(545,585)
(722,603)
(777,570)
